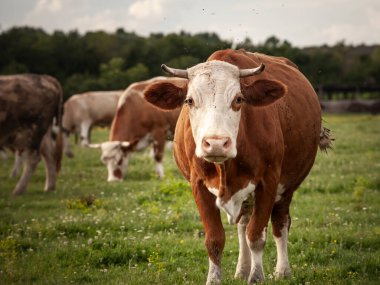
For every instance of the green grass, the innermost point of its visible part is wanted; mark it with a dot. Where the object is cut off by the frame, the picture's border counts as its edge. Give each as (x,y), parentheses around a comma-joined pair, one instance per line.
(146,231)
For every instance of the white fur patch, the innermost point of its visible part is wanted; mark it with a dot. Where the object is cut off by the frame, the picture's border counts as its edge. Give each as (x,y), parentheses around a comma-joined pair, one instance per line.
(282,266)
(257,258)
(111,156)
(144,142)
(233,206)
(280,190)
(214,273)
(213,86)
(160,169)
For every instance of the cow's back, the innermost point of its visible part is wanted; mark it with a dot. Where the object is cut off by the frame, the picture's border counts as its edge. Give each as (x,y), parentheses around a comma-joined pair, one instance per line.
(135,117)
(102,105)
(28,104)
(97,107)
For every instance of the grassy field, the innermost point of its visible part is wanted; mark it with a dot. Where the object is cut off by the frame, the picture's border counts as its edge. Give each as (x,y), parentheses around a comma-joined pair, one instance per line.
(146,231)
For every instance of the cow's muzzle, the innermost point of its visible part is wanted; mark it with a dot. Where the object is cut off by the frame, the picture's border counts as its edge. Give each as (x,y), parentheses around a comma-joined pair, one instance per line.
(216,149)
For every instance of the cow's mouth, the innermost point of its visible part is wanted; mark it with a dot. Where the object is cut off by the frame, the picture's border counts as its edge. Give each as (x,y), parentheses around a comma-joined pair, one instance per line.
(215,159)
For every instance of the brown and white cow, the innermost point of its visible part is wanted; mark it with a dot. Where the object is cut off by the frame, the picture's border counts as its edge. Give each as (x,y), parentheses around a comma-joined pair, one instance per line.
(28,105)
(83,111)
(245,140)
(136,125)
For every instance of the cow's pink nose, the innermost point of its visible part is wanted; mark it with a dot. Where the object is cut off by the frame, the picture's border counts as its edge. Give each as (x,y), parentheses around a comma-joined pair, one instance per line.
(216,146)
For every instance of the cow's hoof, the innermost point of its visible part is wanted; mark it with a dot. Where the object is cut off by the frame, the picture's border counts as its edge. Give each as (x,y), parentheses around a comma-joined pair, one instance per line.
(215,281)
(18,192)
(256,276)
(49,188)
(242,274)
(283,273)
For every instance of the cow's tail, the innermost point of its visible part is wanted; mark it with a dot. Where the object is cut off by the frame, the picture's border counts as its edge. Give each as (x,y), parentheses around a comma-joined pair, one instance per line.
(325,139)
(59,139)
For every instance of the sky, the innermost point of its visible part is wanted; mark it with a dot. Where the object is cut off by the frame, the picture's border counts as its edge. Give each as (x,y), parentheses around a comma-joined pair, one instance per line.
(301,22)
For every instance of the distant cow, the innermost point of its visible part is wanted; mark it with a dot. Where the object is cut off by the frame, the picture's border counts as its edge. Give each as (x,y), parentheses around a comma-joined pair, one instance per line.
(136,125)
(245,140)
(83,111)
(28,104)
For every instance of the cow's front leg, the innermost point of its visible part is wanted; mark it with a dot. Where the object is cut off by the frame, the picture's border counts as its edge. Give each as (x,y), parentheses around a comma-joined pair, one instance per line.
(256,229)
(212,223)
(85,127)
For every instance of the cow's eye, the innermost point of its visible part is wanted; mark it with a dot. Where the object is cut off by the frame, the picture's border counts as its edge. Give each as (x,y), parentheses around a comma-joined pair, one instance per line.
(189,101)
(237,102)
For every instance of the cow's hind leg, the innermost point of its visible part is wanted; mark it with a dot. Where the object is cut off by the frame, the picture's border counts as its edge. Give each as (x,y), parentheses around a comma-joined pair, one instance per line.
(48,153)
(280,227)
(257,227)
(17,164)
(67,145)
(30,159)
(243,267)
(159,137)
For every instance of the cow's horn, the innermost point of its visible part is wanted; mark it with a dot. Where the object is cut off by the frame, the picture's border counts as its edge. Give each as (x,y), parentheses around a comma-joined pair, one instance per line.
(175,72)
(125,144)
(252,71)
(95,145)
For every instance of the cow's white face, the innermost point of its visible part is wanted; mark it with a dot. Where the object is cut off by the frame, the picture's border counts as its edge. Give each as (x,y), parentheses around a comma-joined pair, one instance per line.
(214,99)
(115,158)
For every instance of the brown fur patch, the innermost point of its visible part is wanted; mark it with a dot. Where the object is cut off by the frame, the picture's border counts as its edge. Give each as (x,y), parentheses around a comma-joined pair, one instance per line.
(165,95)
(263,92)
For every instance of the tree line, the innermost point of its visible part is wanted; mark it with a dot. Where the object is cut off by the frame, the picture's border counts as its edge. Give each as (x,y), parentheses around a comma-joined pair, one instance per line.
(108,61)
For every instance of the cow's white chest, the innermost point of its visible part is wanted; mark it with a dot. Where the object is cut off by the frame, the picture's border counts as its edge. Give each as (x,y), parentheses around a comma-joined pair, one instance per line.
(144,142)
(232,207)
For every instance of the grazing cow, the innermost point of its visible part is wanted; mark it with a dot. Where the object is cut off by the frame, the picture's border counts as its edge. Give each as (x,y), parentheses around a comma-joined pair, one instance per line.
(245,143)
(28,105)
(83,111)
(136,125)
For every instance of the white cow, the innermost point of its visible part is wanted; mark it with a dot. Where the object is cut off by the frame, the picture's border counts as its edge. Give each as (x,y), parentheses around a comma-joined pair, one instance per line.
(83,111)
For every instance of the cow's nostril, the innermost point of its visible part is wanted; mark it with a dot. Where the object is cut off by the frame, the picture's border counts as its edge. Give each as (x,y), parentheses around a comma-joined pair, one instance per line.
(205,144)
(227,144)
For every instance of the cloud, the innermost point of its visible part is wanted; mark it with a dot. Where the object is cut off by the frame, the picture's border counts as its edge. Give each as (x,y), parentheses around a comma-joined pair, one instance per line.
(373,17)
(146,9)
(55,14)
(302,23)
(107,20)
(47,6)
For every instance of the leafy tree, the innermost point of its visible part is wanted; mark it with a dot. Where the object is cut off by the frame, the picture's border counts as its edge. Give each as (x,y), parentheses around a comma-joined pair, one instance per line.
(100,60)
(137,73)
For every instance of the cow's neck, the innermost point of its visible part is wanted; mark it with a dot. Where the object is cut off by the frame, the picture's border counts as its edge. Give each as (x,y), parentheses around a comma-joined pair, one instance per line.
(221,170)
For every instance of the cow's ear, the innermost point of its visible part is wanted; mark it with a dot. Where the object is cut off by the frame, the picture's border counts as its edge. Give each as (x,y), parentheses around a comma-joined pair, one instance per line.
(165,95)
(263,92)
